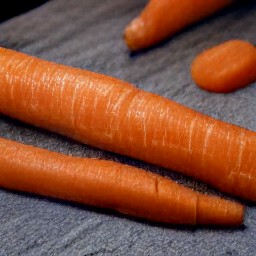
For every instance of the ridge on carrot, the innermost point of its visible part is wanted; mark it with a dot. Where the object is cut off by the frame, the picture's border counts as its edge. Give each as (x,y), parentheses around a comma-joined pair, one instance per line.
(163,18)
(111,185)
(116,116)
(225,67)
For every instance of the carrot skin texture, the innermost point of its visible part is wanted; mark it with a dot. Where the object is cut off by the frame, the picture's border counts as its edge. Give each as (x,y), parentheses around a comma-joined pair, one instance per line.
(225,67)
(163,18)
(113,115)
(111,185)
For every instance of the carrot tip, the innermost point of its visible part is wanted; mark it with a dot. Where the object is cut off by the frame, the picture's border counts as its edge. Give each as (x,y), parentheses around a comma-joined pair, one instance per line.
(133,34)
(225,213)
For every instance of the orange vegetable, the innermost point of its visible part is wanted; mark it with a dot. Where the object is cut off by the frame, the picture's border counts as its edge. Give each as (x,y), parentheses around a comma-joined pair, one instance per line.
(110,185)
(113,115)
(226,67)
(163,18)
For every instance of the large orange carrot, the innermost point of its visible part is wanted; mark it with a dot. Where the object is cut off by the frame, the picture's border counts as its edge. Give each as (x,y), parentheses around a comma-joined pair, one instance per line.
(110,185)
(163,18)
(116,116)
(226,67)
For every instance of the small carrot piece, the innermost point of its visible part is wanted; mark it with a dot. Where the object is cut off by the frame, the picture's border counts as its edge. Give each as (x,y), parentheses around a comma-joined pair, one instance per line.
(163,18)
(114,115)
(111,185)
(226,67)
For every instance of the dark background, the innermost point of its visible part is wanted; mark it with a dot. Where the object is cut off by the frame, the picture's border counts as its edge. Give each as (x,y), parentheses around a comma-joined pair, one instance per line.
(13,8)
(88,34)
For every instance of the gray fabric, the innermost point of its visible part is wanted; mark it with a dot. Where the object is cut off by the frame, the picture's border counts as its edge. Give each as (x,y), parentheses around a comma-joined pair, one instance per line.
(88,34)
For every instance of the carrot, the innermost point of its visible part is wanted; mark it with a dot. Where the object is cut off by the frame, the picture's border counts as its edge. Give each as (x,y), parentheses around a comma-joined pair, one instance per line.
(114,115)
(111,185)
(226,67)
(163,18)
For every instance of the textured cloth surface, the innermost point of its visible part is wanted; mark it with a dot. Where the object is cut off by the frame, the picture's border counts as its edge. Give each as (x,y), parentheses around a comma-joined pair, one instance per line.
(88,34)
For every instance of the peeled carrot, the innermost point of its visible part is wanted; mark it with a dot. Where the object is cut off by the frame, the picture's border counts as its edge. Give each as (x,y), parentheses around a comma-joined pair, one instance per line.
(114,115)
(111,185)
(163,18)
(226,67)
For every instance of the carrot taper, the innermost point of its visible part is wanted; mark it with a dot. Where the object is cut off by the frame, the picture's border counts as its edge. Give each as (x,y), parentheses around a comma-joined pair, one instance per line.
(163,18)
(110,185)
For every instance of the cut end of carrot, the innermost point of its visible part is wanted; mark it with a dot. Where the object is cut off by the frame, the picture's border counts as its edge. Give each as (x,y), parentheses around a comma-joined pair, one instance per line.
(221,212)
(225,67)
